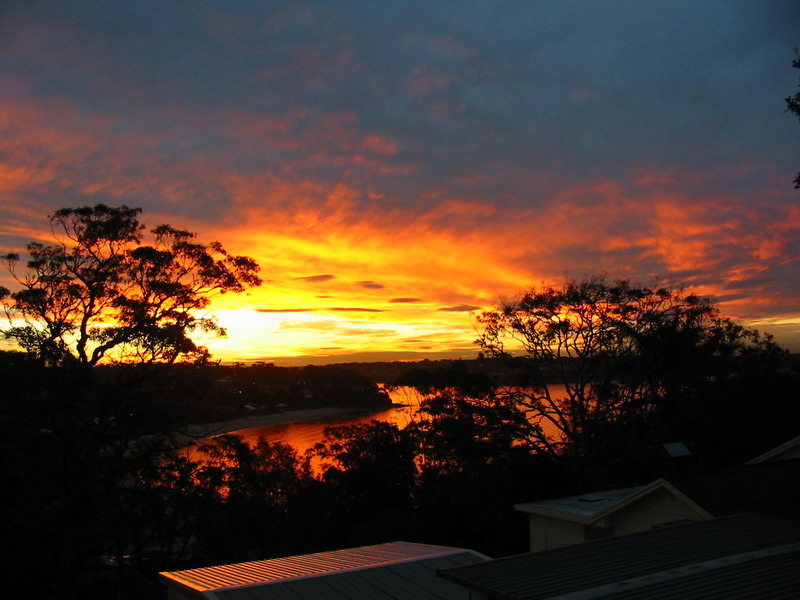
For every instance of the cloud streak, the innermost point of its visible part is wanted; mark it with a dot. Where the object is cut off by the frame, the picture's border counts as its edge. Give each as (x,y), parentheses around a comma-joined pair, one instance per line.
(316,278)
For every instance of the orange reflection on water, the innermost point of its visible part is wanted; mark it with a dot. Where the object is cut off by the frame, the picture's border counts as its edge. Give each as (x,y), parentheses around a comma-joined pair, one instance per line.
(303,435)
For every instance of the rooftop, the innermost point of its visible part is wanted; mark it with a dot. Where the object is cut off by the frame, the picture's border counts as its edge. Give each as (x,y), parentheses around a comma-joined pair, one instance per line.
(789,449)
(394,570)
(587,507)
(739,556)
(771,488)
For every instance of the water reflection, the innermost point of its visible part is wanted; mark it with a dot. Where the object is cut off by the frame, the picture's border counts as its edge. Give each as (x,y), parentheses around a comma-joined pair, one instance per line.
(305,434)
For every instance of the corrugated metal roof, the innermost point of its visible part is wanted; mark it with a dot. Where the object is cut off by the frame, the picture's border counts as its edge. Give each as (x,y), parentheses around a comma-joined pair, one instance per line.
(579,568)
(415,580)
(396,560)
(774,577)
(771,488)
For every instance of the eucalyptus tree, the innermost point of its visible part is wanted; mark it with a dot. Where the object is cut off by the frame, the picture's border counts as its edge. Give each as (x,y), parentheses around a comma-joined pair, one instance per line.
(368,470)
(100,292)
(606,371)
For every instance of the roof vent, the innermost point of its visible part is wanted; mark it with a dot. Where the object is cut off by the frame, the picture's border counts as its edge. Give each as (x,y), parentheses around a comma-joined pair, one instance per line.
(677,449)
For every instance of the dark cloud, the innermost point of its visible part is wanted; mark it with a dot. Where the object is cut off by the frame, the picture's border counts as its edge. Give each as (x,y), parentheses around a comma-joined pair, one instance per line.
(320,309)
(405,300)
(316,278)
(573,88)
(370,285)
(459,308)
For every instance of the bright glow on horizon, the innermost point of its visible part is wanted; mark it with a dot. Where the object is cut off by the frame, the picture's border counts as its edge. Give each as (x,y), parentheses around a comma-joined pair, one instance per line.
(256,335)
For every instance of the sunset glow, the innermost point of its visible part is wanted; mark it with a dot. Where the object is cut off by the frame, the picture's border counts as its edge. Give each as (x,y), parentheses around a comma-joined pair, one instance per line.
(394,171)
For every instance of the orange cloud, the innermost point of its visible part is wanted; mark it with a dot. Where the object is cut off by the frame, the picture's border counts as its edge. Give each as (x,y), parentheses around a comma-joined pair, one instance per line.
(400,267)
(379,145)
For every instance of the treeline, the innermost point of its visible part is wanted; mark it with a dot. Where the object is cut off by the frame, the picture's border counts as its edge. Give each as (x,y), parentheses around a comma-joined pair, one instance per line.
(394,371)
(157,397)
(242,389)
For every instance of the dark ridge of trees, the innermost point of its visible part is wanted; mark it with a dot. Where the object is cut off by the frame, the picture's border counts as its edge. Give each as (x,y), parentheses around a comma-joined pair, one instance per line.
(390,371)
(229,392)
(395,372)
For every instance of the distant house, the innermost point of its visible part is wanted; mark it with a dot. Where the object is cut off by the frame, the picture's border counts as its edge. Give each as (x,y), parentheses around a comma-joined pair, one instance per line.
(576,519)
(771,488)
(397,570)
(744,556)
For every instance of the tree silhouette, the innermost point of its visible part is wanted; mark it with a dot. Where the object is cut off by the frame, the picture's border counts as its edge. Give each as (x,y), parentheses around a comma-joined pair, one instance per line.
(369,471)
(100,293)
(608,371)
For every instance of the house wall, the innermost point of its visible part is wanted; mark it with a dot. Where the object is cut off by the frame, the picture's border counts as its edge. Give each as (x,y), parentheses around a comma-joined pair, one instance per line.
(656,508)
(547,533)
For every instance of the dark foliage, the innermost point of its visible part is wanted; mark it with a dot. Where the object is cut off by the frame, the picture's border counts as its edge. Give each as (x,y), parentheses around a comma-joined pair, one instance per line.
(607,372)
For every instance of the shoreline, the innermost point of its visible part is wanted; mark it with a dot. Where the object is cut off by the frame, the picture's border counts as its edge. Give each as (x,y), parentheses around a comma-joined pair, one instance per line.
(306,415)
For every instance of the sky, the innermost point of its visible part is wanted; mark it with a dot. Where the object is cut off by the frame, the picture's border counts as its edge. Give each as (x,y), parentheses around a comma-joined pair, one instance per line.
(397,167)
